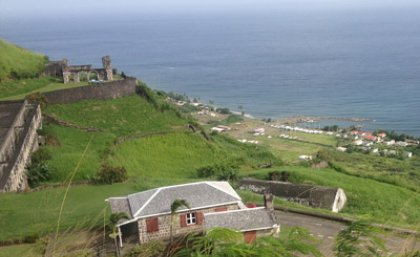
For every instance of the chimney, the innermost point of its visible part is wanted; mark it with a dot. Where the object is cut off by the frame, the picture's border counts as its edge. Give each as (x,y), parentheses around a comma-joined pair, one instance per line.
(268,201)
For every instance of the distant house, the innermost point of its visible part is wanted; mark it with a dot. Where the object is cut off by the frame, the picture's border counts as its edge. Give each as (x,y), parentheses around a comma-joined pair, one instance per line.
(212,204)
(341,149)
(305,157)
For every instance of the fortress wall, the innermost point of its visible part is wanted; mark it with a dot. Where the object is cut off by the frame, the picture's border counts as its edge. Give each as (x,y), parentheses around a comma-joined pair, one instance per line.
(13,131)
(333,199)
(14,176)
(106,90)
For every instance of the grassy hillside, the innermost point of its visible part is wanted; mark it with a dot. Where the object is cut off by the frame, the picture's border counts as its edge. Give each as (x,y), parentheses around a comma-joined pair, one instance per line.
(366,198)
(17,62)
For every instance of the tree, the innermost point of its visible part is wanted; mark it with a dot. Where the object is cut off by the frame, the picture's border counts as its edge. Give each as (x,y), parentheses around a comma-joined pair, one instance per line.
(222,242)
(359,239)
(113,220)
(176,204)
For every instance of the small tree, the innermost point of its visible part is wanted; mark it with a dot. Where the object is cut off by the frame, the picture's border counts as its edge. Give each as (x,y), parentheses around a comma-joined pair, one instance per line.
(358,239)
(176,204)
(108,174)
(113,220)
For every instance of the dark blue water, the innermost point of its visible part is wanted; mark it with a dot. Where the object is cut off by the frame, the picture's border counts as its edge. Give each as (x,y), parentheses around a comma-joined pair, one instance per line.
(363,63)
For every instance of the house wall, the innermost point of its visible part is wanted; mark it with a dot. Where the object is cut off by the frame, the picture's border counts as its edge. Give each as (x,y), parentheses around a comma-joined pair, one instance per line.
(165,224)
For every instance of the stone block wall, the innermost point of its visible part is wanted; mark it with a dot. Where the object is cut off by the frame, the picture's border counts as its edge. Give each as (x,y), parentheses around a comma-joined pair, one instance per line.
(19,146)
(106,90)
(164,224)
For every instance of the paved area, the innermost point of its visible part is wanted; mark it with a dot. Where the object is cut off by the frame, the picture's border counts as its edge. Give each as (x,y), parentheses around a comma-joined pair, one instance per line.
(326,230)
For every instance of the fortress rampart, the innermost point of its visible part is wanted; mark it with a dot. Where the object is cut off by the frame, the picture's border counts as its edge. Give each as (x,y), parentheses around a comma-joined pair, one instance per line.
(106,90)
(18,140)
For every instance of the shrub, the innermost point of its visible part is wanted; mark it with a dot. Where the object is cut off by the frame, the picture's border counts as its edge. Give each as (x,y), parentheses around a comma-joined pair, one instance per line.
(228,174)
(108,174)
(227,171)
(154,248)
(223,110)
(38,172)
(41,155)
(278,176)
(37,98)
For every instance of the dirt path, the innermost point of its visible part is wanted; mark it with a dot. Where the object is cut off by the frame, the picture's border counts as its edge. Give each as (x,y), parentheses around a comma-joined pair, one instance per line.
(326,230)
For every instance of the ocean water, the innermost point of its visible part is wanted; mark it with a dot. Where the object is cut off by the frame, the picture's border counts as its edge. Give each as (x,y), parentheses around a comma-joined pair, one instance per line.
(345,63)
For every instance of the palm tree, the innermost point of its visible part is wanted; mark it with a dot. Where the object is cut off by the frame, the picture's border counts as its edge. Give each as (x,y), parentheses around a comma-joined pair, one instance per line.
(176,204)
(113,220)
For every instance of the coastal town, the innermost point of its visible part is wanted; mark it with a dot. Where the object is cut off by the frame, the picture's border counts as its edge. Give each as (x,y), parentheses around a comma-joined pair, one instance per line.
(350,139)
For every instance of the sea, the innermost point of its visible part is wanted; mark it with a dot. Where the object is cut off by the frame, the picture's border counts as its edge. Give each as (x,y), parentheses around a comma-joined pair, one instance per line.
(343,63)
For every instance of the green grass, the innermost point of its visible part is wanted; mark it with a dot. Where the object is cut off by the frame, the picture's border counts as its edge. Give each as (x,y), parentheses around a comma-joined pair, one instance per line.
(23,250)
(21,62)
(179,154)
(72,143)
(122,116)
(18,89)
(37,213)
(405,173)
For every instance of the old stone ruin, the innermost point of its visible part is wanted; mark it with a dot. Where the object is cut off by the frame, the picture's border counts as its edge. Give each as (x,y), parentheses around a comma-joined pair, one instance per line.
(19,122)
(74,73)
(332,199)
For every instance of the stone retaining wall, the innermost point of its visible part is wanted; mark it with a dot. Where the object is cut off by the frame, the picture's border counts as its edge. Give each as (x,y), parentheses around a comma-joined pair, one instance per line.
(106,90)
(18,147)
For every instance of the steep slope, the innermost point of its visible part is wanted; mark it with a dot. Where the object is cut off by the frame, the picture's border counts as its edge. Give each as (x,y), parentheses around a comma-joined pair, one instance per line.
(17,62)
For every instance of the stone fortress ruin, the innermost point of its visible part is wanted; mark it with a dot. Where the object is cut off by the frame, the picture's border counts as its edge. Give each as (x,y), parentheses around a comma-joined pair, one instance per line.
(74,73)
(19,122)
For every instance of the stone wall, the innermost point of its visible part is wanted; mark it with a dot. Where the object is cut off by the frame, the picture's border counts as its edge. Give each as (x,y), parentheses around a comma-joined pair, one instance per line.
(18,146)
(333,199)
(106,90)
(165,224)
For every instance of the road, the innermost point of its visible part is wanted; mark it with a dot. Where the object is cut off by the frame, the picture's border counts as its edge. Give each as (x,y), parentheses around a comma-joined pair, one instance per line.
(326,230)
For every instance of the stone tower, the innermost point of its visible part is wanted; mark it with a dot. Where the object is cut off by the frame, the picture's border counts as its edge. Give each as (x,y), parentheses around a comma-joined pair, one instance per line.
(106,62)
(66,71)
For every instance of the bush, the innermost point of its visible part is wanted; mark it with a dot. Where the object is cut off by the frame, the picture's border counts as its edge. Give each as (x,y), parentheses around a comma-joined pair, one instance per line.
(223,110)
(228,174)
(41,155)
(108,174)
(37,172)
(278,176)
(226,171)
(154,248)
(37,98)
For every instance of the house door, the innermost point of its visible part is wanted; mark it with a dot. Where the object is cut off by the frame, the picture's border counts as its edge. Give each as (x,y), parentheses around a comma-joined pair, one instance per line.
(250,236)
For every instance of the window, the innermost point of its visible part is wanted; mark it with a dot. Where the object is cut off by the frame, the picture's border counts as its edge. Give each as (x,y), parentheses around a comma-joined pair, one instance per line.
(152,225)
(191,218)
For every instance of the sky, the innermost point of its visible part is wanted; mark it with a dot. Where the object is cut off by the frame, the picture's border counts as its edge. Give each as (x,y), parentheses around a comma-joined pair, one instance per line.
(40,8)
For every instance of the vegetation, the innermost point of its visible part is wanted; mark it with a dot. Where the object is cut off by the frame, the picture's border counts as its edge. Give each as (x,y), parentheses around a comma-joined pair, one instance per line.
(359,240)
(19,63)
(109,175)
(224,171)
(404,173)
(38,170)
(176,205)
(113,221)
(143,142)
(220,242)
(366,198)
(19,89)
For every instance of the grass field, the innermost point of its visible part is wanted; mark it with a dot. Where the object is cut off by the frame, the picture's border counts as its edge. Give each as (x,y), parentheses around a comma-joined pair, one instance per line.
(23,250)
(18,89)
(19,62)
(405,173)
(366,198)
